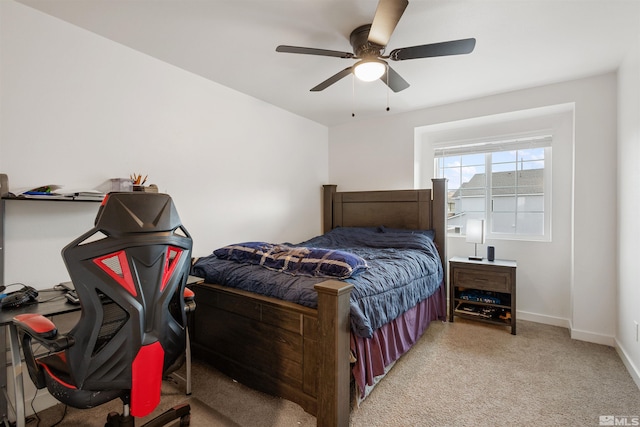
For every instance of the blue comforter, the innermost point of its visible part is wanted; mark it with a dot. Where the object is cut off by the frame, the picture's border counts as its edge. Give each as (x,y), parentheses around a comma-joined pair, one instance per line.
(404,268)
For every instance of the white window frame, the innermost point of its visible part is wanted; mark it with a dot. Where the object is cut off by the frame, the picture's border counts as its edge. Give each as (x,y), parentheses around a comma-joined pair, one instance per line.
(540,139)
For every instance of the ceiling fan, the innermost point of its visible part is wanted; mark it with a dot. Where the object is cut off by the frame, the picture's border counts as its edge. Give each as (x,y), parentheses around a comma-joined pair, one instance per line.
(369,42)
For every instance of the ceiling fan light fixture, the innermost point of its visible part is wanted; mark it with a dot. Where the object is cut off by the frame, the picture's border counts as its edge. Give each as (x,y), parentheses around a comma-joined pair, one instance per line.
(369,70)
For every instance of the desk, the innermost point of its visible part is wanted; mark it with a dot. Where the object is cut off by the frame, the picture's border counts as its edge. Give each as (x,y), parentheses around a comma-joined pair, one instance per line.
(50,303)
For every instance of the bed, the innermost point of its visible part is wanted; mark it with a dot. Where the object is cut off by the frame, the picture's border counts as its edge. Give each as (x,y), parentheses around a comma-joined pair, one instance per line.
(306,353)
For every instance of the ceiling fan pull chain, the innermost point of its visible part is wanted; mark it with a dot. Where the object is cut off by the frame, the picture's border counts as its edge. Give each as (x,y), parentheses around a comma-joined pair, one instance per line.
(353,95)
(388,88)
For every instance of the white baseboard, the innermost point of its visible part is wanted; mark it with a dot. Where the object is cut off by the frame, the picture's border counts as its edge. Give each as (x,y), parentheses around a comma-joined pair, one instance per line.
(43,401)
(634,371)
(576,334)
(39,400)
(541,318)
(609,340)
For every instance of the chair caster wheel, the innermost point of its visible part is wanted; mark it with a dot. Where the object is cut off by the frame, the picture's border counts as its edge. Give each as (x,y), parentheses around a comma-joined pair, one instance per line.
(115,419)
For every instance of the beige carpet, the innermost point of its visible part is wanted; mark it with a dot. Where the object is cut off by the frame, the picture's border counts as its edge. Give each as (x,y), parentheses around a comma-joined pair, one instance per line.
(459,374)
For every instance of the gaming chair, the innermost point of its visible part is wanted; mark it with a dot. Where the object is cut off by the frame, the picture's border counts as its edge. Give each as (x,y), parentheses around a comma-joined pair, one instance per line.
(129,272)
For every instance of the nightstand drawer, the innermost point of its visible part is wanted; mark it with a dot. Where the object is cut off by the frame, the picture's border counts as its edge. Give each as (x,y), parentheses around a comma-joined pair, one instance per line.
(484,280)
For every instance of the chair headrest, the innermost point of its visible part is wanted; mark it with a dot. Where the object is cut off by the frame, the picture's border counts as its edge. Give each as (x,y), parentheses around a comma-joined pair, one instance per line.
(134,212)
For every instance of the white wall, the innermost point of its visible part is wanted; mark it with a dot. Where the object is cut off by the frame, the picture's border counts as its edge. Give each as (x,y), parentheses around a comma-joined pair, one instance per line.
(380,155)
(628,208)
(77,109)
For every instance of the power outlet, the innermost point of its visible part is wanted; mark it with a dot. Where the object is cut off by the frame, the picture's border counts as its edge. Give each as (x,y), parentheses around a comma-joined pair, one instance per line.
(635,322)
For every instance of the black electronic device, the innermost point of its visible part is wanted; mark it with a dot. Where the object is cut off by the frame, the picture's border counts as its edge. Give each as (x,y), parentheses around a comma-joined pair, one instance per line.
(25,296)
(72,297)
(64,286)
(491,253)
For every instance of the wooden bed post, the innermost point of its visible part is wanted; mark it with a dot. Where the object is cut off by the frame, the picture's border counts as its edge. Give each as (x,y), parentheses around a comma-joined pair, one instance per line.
(327,207)
(439,212)
(333,380)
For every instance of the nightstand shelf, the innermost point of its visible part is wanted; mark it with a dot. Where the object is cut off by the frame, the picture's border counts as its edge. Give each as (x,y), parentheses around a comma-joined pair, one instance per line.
(483,290)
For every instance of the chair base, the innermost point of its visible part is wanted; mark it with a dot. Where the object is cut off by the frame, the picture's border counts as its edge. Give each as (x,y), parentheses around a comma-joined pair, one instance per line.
(181,412)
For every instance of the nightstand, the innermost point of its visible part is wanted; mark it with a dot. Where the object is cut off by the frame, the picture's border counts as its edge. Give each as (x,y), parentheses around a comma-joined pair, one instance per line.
(483,290)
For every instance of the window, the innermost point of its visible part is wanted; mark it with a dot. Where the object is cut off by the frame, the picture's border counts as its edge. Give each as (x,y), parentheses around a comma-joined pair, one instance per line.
(507,183)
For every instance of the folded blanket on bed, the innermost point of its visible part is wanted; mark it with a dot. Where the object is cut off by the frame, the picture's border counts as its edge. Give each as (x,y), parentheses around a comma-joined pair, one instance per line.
(313,262)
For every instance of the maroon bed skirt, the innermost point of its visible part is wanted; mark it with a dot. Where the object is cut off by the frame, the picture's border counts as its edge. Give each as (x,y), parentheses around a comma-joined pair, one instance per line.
(392,340)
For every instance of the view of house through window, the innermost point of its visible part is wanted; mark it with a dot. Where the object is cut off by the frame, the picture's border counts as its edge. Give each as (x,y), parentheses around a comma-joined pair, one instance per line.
(504,183)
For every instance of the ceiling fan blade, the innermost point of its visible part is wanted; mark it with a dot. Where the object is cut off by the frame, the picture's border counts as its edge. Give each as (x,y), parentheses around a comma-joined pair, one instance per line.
(313,51)
(331,80)
(395,82)
(454,47)
(388,13)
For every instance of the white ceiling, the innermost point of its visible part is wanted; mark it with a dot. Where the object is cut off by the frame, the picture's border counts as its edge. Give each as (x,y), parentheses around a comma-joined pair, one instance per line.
(520,44)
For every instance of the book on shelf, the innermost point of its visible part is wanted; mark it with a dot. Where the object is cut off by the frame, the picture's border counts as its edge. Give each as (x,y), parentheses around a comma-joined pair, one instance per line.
(49,191)
(56,192)
(87,195)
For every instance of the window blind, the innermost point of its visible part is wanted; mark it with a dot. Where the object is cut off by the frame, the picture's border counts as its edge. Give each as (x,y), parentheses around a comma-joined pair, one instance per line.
(457,148)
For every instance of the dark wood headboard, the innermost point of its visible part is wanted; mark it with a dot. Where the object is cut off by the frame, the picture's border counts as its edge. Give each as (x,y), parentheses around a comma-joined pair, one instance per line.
(424,209)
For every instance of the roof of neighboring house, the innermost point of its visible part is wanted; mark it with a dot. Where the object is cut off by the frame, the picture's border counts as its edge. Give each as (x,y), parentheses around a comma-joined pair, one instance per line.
(503,183)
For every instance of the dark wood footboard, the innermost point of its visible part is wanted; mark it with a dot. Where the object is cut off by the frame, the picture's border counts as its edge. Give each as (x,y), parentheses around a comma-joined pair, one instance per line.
(280,348)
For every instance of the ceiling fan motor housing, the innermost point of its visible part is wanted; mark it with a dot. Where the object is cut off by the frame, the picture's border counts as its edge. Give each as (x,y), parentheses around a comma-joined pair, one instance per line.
(362,47)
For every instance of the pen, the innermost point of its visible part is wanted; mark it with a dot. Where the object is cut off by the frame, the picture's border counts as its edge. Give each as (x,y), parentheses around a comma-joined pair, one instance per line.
(137,179)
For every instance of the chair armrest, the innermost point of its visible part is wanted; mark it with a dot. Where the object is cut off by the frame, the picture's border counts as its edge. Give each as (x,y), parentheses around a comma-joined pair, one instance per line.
(189,300)
(42,330)
(36,325)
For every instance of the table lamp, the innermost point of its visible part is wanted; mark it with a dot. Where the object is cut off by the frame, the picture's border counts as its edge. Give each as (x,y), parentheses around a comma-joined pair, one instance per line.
(475,235)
